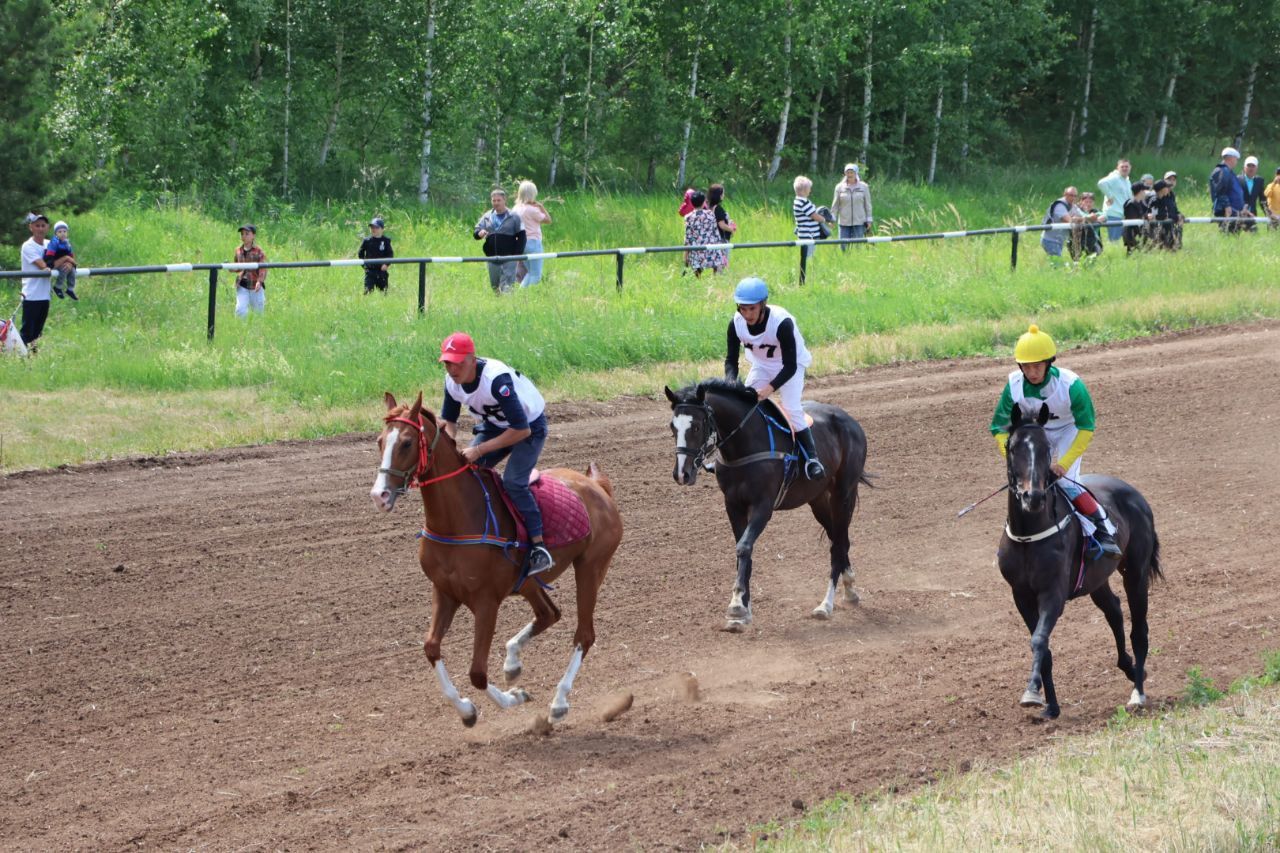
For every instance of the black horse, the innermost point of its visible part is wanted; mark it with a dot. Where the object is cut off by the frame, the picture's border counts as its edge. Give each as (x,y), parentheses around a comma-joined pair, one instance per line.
(759,473)
(1042,556)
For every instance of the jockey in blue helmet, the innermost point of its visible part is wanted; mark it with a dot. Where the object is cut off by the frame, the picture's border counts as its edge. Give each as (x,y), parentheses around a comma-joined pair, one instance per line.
(775,348)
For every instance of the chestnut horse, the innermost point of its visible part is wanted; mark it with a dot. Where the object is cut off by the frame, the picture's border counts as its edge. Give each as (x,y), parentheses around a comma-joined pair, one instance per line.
(416,453)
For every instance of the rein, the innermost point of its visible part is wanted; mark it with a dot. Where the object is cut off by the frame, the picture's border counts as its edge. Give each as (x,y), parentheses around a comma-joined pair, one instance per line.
(413,479)
(712,444)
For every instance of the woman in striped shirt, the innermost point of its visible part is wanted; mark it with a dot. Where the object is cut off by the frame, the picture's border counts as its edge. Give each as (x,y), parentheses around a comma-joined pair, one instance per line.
(806,215)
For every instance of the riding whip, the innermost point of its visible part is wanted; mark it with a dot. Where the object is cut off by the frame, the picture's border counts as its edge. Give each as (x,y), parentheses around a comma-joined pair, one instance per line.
(971,507)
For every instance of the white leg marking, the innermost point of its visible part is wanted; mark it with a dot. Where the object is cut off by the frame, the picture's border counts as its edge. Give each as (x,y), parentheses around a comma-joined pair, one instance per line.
(823,610)
(560,704)
(465,708)
(513,665)
(509,698)
(383,498)
(850,594)
(1137,700)
(739,616)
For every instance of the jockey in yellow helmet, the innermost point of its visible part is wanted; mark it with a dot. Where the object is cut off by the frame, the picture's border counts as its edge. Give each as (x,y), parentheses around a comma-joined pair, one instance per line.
(1071,425)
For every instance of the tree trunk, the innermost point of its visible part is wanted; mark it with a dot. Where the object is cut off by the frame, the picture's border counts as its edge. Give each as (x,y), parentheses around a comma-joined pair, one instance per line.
(1168,102)
(866,104)
(1146,136)
(937,133)
(964,118)
(843,95)
(776,163)
(288,86)
(902,139)
(688,122)
(813,132)
(1071,129)
(428,80)
(1088,78)
(332,126)
(1248,103)
(497,152)
(555,136)
(586,107)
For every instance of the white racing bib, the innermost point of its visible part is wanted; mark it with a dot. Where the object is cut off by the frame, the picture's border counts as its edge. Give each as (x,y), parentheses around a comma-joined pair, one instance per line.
(1061,428)
(485,407)
(764,350)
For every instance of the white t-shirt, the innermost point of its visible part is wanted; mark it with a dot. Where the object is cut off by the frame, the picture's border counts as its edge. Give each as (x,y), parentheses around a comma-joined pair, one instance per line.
(765,350)
(484,407)
(34,289)
(532,219)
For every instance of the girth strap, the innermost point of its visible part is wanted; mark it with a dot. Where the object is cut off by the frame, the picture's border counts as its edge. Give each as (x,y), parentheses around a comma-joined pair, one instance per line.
(1043,534)
(762,456)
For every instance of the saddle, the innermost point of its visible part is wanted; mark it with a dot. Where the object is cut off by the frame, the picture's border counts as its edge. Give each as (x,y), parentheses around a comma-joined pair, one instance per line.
(564,515)
(770,408)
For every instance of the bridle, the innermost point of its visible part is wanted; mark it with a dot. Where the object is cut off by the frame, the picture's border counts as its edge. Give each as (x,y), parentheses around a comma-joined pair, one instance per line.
(413,479)
(712,443)
(1017,495)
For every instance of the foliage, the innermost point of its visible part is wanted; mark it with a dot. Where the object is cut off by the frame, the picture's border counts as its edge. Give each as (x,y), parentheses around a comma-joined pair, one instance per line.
(1200,689)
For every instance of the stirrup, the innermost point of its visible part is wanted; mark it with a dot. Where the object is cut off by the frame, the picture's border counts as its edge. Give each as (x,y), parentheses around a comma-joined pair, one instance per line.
(813,470)
(539,560)
(1106,542)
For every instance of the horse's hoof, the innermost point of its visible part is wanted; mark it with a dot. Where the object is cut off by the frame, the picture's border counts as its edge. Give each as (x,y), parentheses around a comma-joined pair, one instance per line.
(512,674)
(851,596)
(1137,701)
(1050,714)
(470,720)
(821,612)
(737,611)
(1032,700)
(521,694)
(558,713)
(735,626)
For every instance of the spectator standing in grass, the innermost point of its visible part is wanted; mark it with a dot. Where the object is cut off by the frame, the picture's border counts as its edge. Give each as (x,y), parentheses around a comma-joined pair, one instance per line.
(1171,178)
(1272,193)
(700,230)
(851,205)
(1164,215)
(1059,212)
(807,218)
(1251,187)
(1225,191)
(686,206)
(35,289)
(533,216)
(61,259)
(503,235)
(251,285)
(1116,191)
(1136,236)
(1084,234)
(376,245)
(725,225)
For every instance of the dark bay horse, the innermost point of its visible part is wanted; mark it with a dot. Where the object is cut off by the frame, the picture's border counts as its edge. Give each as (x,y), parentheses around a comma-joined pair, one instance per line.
(752,440)
(1041,555)
(414,452)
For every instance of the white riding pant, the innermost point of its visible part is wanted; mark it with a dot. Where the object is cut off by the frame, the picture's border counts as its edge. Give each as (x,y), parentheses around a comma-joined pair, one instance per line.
(787,397)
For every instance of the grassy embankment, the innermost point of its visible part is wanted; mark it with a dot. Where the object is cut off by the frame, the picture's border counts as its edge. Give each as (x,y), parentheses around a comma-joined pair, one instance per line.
(127,369)
(1204,776)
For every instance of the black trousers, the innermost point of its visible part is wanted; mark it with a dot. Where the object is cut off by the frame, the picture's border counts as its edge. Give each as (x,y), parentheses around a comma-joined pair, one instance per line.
(374,277)
(33,316)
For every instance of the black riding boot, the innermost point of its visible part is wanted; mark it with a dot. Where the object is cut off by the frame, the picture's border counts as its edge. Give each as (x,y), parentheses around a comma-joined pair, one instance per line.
(1102,535)
(813,469)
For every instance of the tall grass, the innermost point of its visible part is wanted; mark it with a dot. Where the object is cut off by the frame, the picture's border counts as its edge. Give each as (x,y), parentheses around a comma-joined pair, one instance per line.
(134,350)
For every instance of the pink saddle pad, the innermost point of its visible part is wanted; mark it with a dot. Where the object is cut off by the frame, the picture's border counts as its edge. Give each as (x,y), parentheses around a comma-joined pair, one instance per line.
(564,515)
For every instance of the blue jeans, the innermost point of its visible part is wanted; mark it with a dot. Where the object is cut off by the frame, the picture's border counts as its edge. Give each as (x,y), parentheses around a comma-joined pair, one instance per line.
(851,231)
(521,458)
(1115,233)
(533,266)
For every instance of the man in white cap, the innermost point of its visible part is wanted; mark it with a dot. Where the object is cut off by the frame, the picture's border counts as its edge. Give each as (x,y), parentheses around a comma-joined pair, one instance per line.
(1225,190)
(1252,188)
(851,205)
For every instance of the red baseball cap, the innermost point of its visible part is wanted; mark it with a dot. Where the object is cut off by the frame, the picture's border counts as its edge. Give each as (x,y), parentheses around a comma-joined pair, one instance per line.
(457,347)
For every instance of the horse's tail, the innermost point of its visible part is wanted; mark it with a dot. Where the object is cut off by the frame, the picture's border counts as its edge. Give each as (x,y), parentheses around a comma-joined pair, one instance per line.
(600,479)
(1155,571)
(866,477)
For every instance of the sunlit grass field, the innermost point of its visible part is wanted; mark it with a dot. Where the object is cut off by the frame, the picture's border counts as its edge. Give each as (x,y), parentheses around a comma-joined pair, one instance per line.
(127,370)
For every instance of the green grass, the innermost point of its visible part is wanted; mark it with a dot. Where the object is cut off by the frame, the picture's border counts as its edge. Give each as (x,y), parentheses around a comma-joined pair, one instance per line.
(127,370)
(1199,777)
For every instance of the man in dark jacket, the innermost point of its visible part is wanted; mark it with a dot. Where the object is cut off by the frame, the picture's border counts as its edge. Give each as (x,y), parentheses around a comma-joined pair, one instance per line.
(503,235)
(1252,188)
(1225,191)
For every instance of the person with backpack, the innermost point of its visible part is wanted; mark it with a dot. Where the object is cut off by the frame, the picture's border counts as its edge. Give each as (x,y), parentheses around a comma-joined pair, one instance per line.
(1059,212)
(1225,191)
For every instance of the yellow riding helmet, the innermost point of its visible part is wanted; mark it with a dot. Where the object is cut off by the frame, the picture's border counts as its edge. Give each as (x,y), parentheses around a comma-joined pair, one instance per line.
(1034,346)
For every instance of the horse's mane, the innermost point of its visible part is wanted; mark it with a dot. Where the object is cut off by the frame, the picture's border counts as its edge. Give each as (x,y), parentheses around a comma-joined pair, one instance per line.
(730,388)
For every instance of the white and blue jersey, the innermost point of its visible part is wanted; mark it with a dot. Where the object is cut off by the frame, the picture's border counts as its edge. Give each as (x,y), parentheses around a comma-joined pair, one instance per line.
(499,399)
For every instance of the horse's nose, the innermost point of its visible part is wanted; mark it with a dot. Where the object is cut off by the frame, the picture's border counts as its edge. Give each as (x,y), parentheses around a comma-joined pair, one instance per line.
(382,498)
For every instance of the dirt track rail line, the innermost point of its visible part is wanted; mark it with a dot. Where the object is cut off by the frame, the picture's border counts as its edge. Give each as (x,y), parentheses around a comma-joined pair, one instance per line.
(224,649)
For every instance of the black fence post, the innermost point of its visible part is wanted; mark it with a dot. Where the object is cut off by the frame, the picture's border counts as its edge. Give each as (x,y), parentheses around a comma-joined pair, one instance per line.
(621,258)
(422,288)
(213,300)
(804,260)
(1013,258)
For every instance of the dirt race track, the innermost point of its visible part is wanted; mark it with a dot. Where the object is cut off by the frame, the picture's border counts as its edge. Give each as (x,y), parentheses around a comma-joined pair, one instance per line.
(224,650)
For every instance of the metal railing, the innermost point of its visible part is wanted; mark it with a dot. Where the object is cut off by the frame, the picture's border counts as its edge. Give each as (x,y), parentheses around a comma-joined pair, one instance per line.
(620,254)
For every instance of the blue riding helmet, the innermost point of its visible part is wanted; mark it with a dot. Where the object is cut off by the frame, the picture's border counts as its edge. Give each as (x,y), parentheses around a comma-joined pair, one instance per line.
(750,291)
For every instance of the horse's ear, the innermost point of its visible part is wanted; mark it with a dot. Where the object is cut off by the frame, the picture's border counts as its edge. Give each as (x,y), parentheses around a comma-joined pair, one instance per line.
(389,399)
(702,394)
(416,409)
(1015,417)
(670,395)
(1043,417)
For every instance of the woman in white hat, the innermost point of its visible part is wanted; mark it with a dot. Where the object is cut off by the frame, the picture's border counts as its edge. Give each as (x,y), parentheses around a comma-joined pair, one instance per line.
(851,205)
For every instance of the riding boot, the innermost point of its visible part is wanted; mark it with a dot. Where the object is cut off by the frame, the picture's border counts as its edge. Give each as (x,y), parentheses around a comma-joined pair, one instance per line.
(1103,533)
(539,559)
(813,469)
